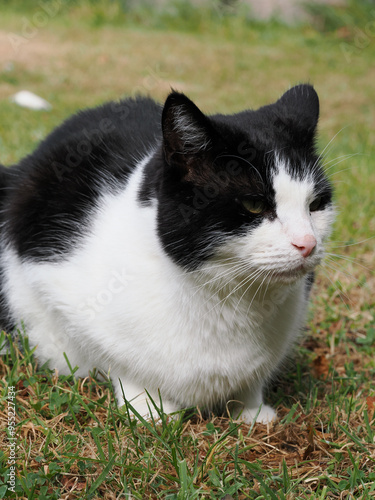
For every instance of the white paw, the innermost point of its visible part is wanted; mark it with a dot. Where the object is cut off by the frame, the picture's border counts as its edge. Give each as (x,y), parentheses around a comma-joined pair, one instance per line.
(263,415)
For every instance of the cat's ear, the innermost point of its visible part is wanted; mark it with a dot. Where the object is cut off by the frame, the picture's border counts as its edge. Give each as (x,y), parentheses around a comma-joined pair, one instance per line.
(187,132)
(298,109)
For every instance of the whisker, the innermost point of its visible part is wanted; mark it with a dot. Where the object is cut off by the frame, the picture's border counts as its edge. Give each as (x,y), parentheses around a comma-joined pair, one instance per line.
(352,244)
(341,158)
(338,172)
(271,271)
(247,282)
(341,294)
(246,161)
(352,260)
(248,279)
(247,285)
(340,161)
(227,271)
(239,270)
(323,154)
(332,266)
(268,284)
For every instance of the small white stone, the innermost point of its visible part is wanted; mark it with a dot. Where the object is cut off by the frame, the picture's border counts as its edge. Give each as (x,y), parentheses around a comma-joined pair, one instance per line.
(29,100)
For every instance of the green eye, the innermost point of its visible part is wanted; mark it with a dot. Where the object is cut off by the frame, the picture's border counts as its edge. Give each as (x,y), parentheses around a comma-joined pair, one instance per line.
(254,206)
(316,204)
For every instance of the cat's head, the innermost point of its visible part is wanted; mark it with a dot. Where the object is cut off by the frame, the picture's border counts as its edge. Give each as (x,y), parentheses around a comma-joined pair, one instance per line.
(247,187)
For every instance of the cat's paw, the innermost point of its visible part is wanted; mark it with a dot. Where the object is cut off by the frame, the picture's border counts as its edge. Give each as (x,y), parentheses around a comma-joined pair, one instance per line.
(264,415)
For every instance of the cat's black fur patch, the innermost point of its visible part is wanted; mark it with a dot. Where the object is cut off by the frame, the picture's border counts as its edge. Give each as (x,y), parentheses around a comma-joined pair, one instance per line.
(4,178)
(309,283)
(50,195)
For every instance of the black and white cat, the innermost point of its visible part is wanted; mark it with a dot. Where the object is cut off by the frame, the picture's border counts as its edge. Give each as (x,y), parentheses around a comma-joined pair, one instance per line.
(170,249)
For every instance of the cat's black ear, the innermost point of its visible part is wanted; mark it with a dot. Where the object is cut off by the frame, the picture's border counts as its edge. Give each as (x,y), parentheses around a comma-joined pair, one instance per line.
(187,132)
(298,109)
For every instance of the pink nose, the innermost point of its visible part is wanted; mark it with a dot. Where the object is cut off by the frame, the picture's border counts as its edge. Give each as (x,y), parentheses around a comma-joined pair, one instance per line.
(305,244)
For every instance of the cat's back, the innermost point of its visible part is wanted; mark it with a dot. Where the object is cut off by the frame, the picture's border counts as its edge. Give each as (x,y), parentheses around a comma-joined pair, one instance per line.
(52,193)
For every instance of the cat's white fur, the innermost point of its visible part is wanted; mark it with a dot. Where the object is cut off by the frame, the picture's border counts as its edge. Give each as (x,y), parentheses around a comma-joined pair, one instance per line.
(118,303)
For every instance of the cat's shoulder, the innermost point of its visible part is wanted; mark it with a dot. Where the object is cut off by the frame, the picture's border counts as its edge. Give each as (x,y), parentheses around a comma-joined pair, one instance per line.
(122,129)
(51,192)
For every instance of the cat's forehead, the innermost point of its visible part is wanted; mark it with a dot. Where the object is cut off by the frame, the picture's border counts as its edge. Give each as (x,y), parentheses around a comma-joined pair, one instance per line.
(260,129)
(257,172)
(262,148)
(290,188)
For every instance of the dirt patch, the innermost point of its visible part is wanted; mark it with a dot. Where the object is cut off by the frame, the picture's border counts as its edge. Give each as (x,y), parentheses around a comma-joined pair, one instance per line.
(81,63)
(39,50)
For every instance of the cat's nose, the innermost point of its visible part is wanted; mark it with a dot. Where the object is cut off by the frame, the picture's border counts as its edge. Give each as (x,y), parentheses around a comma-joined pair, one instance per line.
(305,244)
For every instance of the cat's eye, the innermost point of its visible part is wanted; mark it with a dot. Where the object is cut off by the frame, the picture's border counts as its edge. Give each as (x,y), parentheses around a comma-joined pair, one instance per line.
(316,204)
(255,206)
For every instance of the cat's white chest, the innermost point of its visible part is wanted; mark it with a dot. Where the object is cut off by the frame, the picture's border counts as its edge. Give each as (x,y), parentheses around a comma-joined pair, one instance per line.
(179,336)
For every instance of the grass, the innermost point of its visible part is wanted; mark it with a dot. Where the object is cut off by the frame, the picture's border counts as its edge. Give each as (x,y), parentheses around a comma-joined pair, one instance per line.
(73,441)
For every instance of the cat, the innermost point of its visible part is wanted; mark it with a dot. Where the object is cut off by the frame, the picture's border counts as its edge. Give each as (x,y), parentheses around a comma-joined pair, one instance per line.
(170,249)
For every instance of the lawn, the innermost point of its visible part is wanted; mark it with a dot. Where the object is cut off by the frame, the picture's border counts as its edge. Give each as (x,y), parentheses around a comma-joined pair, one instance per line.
(70,439)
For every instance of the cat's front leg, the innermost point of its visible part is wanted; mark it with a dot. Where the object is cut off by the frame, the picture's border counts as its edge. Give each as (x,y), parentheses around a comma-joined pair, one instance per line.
(248,406)
(139,400)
